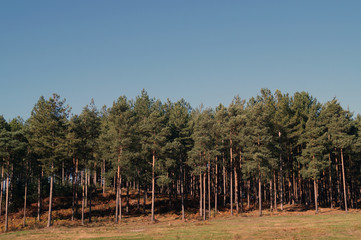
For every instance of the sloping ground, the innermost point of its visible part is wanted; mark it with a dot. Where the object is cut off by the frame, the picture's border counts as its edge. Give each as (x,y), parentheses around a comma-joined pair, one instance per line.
(295,220)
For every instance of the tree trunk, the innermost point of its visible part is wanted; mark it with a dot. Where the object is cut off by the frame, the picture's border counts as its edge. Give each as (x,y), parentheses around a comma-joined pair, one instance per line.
(275,190)
(7,200)
(337,181)
(103,178)
(330,180)
(76,185)
(182,192)
(120,215)
(127,207)
(90,200)
(118,207)
(224,182)
(216,190)
(231,176)
(204,196)
(344,180)
(86,188)
(51,195)
(209,189)
(145,198)
(200,194)
(281,182)
(73,191)
(236,189)
(240,180)
(259,194)
(62,173)
(270,195)
(1,188)
(138,196)
(295,196)
(83,197)
(25,195)
(316,194)
(248,193)
(95,176)
(153,187)
(39,197)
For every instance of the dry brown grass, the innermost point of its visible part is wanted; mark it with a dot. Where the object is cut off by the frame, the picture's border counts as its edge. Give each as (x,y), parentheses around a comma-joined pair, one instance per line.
(295,222)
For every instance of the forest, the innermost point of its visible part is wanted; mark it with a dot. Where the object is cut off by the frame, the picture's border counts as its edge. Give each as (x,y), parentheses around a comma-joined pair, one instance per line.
(264,152)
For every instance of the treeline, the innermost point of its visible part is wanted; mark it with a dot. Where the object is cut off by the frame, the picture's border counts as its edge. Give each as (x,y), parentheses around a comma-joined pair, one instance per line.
(268,151)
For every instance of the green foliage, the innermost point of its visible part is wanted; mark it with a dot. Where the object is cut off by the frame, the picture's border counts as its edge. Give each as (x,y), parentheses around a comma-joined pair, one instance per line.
(47,132)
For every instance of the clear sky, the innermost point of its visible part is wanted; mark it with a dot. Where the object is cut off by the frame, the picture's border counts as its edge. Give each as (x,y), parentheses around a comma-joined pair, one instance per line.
(203,51)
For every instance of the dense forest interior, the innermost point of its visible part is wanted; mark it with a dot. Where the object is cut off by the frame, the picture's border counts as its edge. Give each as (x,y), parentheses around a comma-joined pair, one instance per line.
(271,150)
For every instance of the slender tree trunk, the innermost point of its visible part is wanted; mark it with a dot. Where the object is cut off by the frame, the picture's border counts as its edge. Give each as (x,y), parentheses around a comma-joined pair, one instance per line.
(295,196)
(275,190)
(270,195)
(224,182)
(248,193)
(90,200)
(316,194)
(76,186)
(216,190)
(138,195)
(231,176)
(281,182)
(209,189)
(153,187)
(86,188)
(259,193)
(204,196)
(127,207)
(236,189)
(240,180)
(51,195)
(145,198)
(114,184)
(25,195)
(7,200)
(182,192)
(95,176)
(330,180)
(337,182)
(39,197)
(103,178)
(2,188)
(62,173)
(118,207)
(117,202)
(73,195)
(344,180)
(120,215)
(83,196)
(200,194)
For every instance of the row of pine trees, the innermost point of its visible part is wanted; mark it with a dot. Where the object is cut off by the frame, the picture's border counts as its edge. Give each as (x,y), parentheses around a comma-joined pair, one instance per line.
(268,151)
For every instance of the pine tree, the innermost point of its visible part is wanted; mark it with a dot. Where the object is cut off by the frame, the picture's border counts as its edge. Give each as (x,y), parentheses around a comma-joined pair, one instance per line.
(339,131)
(121,130)
(179,143)
(258,139)
(47,126)
(156,132)
(90,125)
(13,145)
(203,152)
(313,158)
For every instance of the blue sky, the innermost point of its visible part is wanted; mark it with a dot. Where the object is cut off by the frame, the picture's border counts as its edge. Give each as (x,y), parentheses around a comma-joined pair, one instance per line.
(203,51)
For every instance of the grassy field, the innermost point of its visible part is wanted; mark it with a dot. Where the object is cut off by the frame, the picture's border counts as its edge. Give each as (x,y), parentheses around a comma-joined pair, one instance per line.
(296,225)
